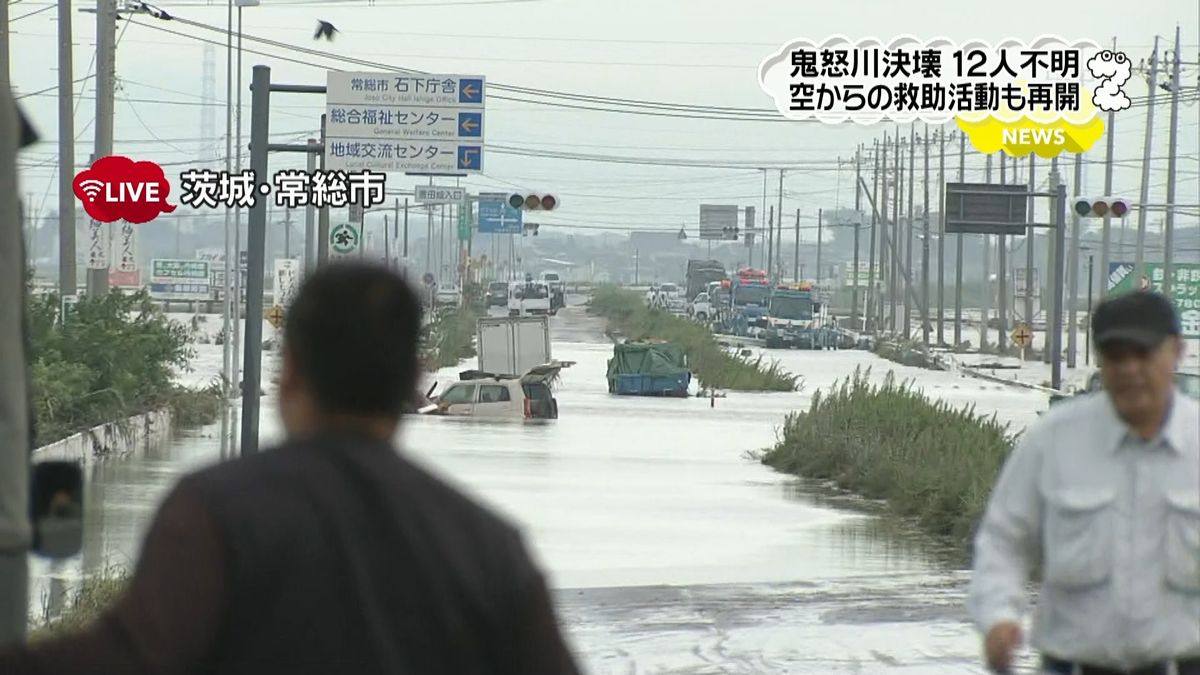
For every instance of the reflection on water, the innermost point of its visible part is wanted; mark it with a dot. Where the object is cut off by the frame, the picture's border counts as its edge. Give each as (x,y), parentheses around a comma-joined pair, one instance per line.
(620,491)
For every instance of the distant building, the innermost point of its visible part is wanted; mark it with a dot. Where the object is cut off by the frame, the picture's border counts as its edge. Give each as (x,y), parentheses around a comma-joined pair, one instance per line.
(652,241)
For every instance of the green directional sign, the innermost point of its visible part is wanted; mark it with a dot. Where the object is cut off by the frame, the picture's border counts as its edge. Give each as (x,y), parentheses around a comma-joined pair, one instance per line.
(1185,288)
(464,221)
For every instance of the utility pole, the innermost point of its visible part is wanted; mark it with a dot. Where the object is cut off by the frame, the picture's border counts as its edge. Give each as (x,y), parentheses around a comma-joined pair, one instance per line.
(925,248)
(909,288)
(894,237)
(941,290)
(763,241)
(796,253)
(106,55)
(1051,256)
(1073,267)
(880,198)
(958,259)
(985,307)
(310,217)
(1106,235)
(1002,269)
(779,238)
(67,282)
(323,213)
(1030,241)
(287,233)
(1139,265)
(820,231)
(771,230)
(1060,225)
(857,228)
(1169,226)
(869,300)
(406,231)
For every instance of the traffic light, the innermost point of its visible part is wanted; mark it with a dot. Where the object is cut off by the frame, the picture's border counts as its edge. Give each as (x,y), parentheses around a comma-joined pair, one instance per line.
(1099,207)
(531,228)
(533,202)
(729,233)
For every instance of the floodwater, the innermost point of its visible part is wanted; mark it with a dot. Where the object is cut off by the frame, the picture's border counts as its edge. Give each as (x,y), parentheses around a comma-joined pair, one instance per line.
(670,550)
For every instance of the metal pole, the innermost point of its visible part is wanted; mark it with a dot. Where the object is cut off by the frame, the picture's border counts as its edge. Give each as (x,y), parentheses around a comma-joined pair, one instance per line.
(1172,155)
(908,230)
(820,232)
(1087,333)
(1106,236)
(287,233)
(771,229)
(323,212)
(1030,244)
(396,224)
(106,54)
(310,219)
(1051,252)
(958,254)
(871,300)
(1060,229)
(15,434)
(256,240)
(894,243)
(796,253)
(237,219)
(925,248)
(1139,264)
(228,346)
(1002,270)
(941,290)
(985,306)
(67,284)
(779,237)
(857,228)
(406,228)
(764,240)
(1073,268)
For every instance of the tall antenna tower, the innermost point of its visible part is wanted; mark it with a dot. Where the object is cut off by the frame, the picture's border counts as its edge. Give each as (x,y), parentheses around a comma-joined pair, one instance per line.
(211,143)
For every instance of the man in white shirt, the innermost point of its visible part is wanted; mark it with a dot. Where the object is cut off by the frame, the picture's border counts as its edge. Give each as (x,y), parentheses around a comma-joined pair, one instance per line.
(1102,495)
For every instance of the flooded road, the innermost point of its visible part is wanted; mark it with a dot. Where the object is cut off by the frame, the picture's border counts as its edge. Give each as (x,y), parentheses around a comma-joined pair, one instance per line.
(670,550)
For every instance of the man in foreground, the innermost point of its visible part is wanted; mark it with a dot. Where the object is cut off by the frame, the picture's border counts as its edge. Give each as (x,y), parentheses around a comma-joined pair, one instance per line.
(331,553)
(1102,494)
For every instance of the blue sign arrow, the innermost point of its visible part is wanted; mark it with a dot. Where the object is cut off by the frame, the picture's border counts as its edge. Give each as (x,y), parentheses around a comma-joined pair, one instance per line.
(470,91)
(497,217)
(470,157)
(470,124)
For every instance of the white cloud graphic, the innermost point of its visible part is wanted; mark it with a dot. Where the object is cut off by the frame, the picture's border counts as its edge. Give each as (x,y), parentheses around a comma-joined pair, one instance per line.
(1113,70)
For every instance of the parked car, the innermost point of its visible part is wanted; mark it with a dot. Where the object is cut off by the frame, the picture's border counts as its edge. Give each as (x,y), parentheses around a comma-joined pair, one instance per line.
(479,394)
(497,294)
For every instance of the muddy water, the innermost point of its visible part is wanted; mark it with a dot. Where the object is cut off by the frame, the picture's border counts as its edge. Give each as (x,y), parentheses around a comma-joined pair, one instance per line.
(670,550)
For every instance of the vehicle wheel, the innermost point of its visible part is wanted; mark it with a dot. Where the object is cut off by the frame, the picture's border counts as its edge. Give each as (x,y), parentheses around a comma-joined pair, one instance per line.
(702,317)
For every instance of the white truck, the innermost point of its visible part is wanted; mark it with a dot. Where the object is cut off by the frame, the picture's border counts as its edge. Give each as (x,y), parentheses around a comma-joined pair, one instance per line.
(512,345)
(529,297)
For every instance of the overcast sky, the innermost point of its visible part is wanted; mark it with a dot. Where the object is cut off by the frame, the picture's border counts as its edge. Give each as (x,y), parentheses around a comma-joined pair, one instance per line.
(703,52)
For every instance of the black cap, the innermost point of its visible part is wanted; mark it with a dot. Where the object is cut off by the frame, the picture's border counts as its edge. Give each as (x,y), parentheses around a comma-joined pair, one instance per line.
(1141,318)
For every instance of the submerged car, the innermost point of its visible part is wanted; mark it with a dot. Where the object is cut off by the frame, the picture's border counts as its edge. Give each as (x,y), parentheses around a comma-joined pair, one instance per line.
(479,394)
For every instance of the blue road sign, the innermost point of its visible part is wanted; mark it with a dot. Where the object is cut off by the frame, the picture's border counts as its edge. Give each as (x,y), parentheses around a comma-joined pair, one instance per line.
(470,124)
(470,157)
(470,90)
(497,217)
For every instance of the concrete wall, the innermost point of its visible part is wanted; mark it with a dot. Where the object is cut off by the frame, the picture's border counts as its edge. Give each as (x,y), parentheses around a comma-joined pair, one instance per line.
(119,439)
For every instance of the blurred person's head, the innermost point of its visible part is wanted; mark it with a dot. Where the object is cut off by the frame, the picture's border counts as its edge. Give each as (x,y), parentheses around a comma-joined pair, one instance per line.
(1137,337)
(349,352)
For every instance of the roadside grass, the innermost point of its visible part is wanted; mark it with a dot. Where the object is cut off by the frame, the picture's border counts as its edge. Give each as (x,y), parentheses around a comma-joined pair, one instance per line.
(928,460)
(86,602)
(715,367)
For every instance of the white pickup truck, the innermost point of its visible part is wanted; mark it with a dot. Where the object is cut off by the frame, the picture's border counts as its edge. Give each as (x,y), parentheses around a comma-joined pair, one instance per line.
(528,297)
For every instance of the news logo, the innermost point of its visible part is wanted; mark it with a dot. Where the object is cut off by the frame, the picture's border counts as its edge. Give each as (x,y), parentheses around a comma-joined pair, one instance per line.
(118,188)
